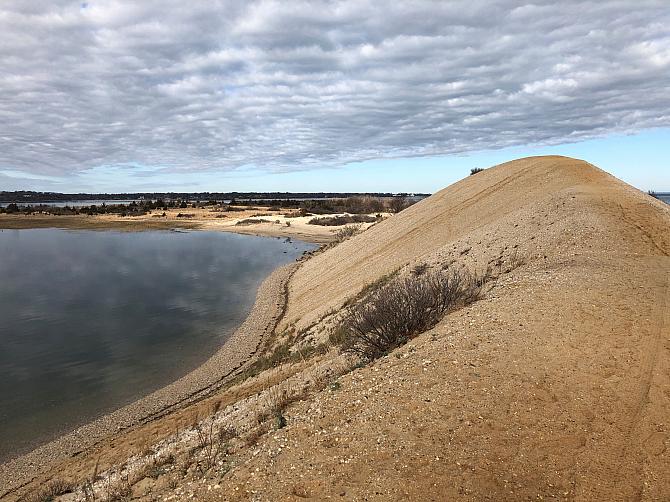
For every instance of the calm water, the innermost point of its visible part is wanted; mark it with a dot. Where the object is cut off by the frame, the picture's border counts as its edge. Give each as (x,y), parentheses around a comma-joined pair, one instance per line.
(664,197)
(90,321)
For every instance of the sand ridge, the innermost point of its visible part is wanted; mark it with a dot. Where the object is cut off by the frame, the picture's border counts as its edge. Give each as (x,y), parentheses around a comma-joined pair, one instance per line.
(554,386)
(454,212)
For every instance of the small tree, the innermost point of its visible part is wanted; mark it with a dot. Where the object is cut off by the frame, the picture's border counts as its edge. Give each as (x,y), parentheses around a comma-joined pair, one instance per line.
(397,204)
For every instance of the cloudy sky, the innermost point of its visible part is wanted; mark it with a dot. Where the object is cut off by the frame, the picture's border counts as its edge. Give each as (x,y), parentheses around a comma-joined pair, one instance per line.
(326,95)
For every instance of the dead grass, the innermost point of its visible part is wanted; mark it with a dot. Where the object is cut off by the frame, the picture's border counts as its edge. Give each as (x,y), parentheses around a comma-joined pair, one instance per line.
(212,439)
(51,489)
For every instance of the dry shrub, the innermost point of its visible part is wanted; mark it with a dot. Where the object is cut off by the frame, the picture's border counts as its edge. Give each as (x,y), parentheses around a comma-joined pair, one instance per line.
(256,433)
(323,376)
(420,269)
(88,485)
(345,232)
(118,490)
(50,490)
(275,401)
(277,398)
(391,314)
(252,221)
(398,203)
(213,441)
(513,262)
(297,213)
(336,221)
(153,469)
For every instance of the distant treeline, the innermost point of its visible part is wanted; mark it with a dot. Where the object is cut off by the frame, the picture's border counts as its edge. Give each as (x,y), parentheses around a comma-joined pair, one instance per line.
(354,205)
(28,197)
(131,209)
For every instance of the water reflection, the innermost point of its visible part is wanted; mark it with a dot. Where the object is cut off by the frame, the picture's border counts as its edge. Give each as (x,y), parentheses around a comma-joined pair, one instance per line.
(92,320)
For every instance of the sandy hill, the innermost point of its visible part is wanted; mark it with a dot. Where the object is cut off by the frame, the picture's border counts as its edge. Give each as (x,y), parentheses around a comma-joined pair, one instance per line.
(555,386)
(506,205)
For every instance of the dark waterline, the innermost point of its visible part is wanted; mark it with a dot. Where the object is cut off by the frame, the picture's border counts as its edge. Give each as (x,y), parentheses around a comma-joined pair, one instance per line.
(90,321)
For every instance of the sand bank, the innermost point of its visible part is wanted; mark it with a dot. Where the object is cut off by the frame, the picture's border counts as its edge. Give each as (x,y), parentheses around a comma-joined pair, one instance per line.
(275,225)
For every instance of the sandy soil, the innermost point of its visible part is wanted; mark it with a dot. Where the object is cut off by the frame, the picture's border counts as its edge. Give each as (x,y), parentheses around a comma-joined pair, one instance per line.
(555,386)
(277,224)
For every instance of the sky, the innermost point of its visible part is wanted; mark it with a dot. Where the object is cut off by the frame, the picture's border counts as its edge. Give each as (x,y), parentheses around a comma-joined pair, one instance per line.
(123,96)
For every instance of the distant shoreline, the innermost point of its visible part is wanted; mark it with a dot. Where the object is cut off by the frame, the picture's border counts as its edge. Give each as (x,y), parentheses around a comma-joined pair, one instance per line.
(36,198)
(662,196)
(298,229)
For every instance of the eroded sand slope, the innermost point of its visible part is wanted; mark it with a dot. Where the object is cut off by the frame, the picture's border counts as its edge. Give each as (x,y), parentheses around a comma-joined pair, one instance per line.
(557,385)
(488,199)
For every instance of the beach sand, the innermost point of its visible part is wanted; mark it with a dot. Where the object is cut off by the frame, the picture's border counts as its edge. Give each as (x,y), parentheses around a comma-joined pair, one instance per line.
(277,224)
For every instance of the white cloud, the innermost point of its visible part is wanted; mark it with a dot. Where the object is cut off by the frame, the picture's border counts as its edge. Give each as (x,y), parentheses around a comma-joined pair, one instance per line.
(287,85)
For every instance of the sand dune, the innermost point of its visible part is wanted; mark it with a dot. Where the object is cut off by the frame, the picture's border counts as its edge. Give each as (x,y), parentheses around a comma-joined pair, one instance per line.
(517,192)
(555,386)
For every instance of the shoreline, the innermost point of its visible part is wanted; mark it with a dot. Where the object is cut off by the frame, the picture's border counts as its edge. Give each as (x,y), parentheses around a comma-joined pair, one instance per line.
(307,233)
(232,357)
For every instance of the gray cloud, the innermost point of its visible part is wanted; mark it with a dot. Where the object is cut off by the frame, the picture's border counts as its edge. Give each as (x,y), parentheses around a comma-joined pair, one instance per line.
(288,85)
